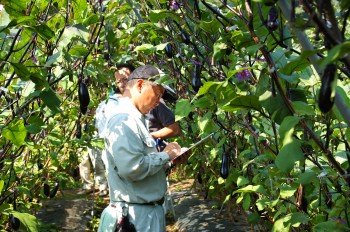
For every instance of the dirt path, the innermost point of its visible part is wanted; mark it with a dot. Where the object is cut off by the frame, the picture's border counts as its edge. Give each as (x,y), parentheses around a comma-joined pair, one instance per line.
(71,212)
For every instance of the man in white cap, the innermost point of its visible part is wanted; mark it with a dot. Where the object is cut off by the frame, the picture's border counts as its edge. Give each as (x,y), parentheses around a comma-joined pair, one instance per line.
(136,173)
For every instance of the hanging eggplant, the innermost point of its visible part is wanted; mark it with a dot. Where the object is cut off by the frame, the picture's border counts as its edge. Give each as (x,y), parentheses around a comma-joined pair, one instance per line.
(84,97)
(196,78)
(224,165)
(199,178)
(169,50)
(54,190)
(40,165)
(78,132)
(185,37)
(14,222)
(46,189)
(272,19)
(326,98)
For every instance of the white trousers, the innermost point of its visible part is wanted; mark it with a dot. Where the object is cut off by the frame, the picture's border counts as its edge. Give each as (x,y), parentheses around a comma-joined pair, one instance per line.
(93,157)
(146,218)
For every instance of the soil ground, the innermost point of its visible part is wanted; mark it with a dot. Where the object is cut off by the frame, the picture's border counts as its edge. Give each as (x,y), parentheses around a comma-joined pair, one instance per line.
(71,212)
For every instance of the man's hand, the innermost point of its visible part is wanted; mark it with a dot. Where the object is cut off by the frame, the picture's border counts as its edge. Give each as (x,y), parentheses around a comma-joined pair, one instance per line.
(173,149)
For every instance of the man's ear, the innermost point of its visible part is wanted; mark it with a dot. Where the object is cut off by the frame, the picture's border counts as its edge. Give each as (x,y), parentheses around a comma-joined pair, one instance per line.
(139,84)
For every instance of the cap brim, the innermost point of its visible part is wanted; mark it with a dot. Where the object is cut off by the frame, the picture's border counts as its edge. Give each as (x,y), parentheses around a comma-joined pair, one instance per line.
(169,93)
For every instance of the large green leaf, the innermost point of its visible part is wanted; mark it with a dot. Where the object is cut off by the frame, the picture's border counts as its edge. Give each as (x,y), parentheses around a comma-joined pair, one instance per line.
(251,189)
(206,123)
(158,15)
(294,65)
(43,31)
(78,51)
(182,109)
(210,27)
(52,59)
(74,31)
(36,124)
(289,154)
(292,219)
(15,132)
(337,52)
(208,86)
(287,191)
(274,104)
(80,9)
(21,71)
(287,128)
(243,102)
(51,100)
(29,221)
(15,8)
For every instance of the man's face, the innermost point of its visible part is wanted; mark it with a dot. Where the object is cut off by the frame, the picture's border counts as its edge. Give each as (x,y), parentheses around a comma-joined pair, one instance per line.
(150,96)
(121,77)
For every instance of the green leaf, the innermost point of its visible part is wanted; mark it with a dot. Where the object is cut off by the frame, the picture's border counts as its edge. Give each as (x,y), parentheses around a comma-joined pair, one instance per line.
(266,203)
(158,15)
(78,51)
(286,191)
(182,109)
(334,226)
(246,202)
(219,50)
(253,218)
(51,100)
(39,81)
(52,59)
(21,71)
(251,189)
(36,124)
(243,102)
(241,180)
(306,178)
(286,129)
(275,106)
(208,86)
(206,123)
(161,47)
(16,8)
(147,48)
(92,19)
(301,108)
(298,218)
(337,52)
(288,155)
(1,185)
(283,224)
(294,66)
(211,27)
(28,220)
(15,132)
(43,31)
(75,31)
(80,9)
(251,50)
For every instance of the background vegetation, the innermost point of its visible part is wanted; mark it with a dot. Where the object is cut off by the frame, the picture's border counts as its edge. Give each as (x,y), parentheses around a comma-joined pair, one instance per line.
(269,79)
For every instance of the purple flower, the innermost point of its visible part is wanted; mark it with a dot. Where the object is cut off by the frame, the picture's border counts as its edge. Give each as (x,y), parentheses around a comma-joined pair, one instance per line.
(243,75)
(174,5)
